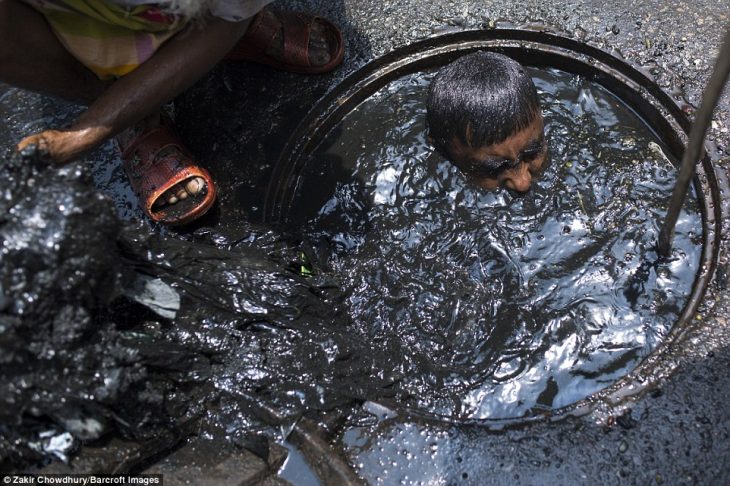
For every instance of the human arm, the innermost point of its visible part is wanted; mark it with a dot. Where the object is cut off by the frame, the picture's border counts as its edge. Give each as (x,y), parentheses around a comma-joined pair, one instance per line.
(178,64)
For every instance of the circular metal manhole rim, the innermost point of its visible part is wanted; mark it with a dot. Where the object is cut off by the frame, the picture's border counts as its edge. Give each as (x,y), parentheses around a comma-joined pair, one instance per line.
(637,90)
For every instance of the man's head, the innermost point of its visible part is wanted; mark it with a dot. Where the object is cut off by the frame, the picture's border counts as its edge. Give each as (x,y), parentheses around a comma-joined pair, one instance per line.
(484,115)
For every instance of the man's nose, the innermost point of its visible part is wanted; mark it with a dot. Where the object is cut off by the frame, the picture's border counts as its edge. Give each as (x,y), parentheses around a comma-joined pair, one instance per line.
(518,179)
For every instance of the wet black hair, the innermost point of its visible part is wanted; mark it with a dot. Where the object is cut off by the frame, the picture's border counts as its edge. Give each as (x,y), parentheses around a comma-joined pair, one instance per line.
(481,99)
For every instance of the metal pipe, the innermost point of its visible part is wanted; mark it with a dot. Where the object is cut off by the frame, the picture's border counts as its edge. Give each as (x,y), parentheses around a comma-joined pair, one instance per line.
(693,151)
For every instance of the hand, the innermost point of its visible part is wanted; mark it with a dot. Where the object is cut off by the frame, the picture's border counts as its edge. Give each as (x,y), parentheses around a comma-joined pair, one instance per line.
(61,146)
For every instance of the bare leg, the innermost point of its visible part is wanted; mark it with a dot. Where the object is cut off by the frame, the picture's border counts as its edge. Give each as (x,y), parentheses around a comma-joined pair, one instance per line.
(171,70)
(34,59)
(31,57)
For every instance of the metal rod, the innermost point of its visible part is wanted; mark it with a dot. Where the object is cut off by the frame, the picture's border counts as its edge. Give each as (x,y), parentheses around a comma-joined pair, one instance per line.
(693,151)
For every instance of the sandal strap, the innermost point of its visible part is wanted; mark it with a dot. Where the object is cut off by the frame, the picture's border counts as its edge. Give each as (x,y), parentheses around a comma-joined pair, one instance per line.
(294,28)
(260,34)
(147,145)
(296,33)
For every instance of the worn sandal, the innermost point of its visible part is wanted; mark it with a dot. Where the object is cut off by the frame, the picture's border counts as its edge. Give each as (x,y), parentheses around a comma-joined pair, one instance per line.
(296,29)
(157,161)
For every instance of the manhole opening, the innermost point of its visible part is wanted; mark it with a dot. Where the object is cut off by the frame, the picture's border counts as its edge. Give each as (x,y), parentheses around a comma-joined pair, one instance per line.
(660,299)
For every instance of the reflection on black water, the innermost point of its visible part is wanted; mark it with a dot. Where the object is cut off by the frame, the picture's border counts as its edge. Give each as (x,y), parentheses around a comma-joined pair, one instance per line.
(494,305)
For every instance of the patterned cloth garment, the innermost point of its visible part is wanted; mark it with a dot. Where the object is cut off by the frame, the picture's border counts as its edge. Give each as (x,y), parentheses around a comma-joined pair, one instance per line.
(113,37)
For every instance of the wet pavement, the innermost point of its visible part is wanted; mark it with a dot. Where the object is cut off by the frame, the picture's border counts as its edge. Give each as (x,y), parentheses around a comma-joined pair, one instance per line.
(238,118)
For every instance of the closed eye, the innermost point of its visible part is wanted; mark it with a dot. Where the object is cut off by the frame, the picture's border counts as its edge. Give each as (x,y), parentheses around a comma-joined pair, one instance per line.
(491,167)
(533,149)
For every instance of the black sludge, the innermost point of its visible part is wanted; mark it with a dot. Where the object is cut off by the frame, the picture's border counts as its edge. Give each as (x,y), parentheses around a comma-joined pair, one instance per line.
(61,365)
(500,305)
(107,329)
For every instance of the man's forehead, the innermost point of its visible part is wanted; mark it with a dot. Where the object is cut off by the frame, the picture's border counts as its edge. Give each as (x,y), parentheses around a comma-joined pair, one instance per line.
(524,137)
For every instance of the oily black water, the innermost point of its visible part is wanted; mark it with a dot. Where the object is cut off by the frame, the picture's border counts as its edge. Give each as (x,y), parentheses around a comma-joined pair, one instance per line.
(490,304)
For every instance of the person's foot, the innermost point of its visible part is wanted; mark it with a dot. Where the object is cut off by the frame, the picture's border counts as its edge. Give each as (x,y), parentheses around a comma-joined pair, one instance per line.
(292,42)
(172,188)
(188,188)
(179,192)
(319,47)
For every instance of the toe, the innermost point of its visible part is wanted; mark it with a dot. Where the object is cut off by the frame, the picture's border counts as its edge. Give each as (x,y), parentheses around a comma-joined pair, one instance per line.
(189,188)
(322,59)
(319,45)
(195,185)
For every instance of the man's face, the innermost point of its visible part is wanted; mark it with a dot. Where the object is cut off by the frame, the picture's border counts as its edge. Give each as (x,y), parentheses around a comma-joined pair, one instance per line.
(511,163)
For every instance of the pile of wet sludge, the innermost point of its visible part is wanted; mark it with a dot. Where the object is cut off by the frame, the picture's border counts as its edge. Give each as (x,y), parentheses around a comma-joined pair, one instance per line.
(108,329)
